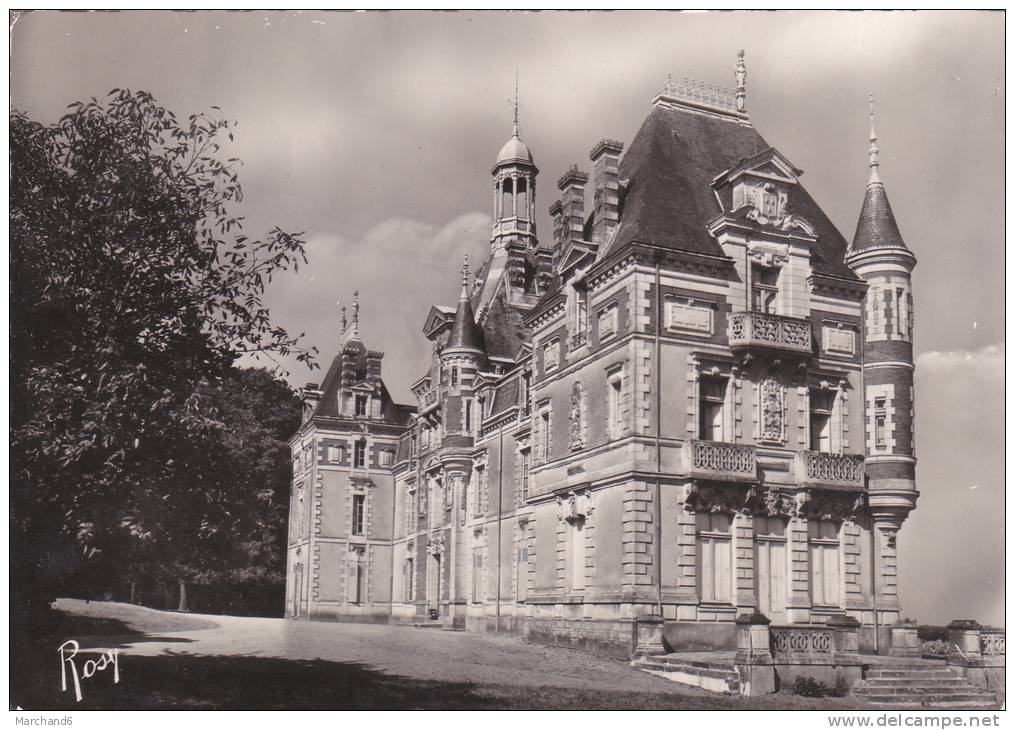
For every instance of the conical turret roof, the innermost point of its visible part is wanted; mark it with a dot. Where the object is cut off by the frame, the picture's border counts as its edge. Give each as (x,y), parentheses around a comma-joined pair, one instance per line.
(877,227)
(465,333)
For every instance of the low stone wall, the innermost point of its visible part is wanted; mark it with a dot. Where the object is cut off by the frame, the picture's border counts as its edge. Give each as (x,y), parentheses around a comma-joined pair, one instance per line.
(607,638)
(700,636)
(977,653)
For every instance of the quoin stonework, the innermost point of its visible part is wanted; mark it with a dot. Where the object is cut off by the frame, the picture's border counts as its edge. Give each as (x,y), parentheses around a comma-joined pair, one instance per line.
(693,401)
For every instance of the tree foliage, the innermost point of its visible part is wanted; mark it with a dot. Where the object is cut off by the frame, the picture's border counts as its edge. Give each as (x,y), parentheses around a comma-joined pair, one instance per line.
(134,291)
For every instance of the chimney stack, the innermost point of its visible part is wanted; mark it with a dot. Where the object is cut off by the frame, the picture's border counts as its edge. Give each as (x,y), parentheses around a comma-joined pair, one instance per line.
(556,212)
(310,396)
(605,158)
(572,192)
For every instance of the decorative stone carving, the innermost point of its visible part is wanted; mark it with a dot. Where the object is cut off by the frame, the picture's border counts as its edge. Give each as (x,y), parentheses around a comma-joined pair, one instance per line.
(608,321)
(436,546)
(551,354)
(728,498)
(576,417)
(689,315)
(574,506)
(772,416)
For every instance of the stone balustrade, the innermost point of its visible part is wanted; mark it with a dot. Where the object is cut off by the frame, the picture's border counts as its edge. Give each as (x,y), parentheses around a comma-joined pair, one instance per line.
(769,331)
(720,461)
(977,653)
(817,468)
(796,641)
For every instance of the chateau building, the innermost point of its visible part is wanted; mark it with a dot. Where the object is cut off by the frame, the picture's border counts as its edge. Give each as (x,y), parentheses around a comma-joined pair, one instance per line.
(694,400)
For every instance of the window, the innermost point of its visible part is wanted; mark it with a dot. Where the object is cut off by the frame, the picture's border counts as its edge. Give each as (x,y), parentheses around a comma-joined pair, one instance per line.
(607,321)
(581,315)
(577,555)
(477,502)
(770,585)
(358,513)
(410,582)
(361,405)
(467,407)
(477,574)
(714,557)
(454,377)
(386,457)
(524,395)
(525,463)
(551,354)
(764,288)
(712,398)
(410,509)
(360,455)
(615,426)
(335,454)
(357,578)
(880,419)
(544,435)
(824,544)
(822,403)
(522,579)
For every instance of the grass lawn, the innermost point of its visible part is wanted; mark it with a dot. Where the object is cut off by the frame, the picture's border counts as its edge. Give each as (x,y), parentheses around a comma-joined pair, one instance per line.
(182,681)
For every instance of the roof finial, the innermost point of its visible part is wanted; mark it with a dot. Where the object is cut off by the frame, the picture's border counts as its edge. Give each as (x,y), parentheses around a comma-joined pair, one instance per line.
(872,153)
(741,76)
(355,313)
(465,279)
(345,323)
(516,102)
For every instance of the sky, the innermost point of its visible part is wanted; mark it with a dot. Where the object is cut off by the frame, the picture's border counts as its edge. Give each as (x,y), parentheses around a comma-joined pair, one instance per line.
(374,134)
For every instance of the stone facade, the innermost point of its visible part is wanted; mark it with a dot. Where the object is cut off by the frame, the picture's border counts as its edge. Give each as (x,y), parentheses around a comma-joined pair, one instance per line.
(683,407)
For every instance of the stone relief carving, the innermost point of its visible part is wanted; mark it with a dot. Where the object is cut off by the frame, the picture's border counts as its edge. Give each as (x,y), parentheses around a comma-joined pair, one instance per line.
(772,417)
(576,417)
(575,506)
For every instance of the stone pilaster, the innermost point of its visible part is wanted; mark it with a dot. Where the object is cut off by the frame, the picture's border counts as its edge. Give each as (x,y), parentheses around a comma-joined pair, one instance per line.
(799,602)
(743,546)
(637,539)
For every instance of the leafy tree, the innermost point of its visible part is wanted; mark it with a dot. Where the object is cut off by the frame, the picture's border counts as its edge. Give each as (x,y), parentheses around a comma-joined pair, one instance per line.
(134,291)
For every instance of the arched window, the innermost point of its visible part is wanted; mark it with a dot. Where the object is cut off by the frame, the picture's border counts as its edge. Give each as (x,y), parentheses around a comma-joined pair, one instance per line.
(507,194)
(522,200)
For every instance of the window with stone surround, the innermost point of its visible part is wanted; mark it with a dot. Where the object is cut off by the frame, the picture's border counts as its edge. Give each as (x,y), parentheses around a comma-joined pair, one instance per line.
(823,537)
(543,435)
(385,457)
(880,421)
(607,320)
(477,574)
(334,454)
(614,405)
(524,465)
(576,554)
(714,557)
(770,584)
(551,354)
(357,576)
(361,405)
(409,575)
(822,404)
(478,477)
(467,408)
(522,573)
(359,502)
(764,288)
(711,402)
(454,377)
(359,454)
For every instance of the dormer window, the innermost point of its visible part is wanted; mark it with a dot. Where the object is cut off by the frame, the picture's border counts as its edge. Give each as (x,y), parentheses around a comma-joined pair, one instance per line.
(361,405)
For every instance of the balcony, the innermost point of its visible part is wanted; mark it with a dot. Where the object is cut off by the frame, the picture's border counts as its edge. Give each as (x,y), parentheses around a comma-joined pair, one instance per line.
(720,461)
(818,469)
(747,330)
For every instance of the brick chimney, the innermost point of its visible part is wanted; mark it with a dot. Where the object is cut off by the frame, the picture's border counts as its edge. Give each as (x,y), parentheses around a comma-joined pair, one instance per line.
(556,212)
(605,158)
(572,193)
(310,396)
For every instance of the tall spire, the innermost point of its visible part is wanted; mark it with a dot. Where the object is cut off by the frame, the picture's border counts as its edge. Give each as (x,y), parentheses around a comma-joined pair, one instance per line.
(355,314)
(465,334)
(515,133)
(872,153)
(465,279)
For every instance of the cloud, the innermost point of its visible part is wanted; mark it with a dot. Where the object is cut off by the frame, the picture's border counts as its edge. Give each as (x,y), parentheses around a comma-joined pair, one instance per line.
(952,546)
(400,267)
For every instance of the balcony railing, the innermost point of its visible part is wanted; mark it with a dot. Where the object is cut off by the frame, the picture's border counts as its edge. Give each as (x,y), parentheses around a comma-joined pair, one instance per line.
(428,400)
(830,470)
(802,641)
(720,461)
(770,331)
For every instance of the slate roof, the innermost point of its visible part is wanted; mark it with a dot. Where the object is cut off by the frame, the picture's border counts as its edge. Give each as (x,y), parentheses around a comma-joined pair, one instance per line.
(327,407)
(669,198)
(464,331)
(876,227)
(505,396)
(504,328)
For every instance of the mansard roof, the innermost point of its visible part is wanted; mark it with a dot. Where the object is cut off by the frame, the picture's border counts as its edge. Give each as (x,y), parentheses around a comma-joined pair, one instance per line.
(670,168)
(327,407)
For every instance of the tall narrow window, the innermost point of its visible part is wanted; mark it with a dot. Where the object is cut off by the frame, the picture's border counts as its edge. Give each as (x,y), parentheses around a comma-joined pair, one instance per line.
(578,555)
(712,398)
(477,501)
(468,415)
(770,562)
(522,579)
(525,463)
(880,419)
(824,544)
(358,513)
(361,405)
(822,402)
(544,435)
(525,394)
(410,582)
(900,313)
(360,455)
(477,574)
(581,314)
(454,377)
(615,427)
(714,557)
(764,288)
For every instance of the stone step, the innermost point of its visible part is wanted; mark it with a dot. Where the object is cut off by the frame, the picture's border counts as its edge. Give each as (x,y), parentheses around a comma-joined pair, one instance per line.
(914,681)
(860,689)
(714,678)
(909,673)
(696,668)
(969,699)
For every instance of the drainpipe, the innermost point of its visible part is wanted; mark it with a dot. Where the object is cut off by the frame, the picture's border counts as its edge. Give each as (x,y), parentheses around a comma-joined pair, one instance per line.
(500,510)
(659,451)
(391,581)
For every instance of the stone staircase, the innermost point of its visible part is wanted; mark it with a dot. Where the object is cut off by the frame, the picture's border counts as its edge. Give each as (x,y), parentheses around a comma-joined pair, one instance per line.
(712,675)
(921,686)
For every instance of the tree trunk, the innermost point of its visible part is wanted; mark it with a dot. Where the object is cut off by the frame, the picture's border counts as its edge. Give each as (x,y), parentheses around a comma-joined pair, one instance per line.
(183,597)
